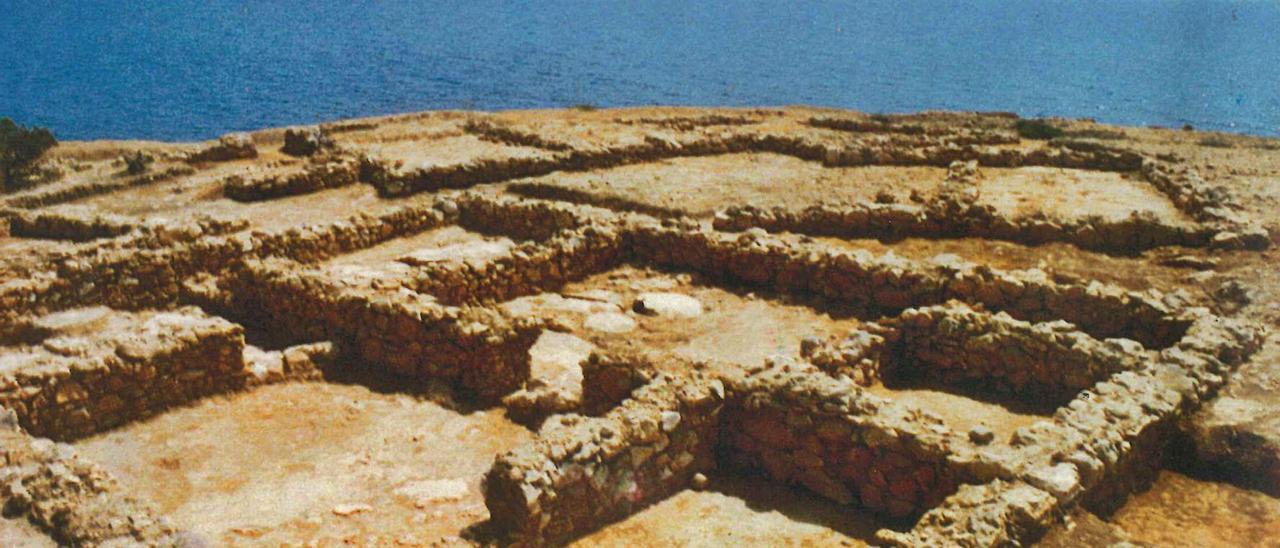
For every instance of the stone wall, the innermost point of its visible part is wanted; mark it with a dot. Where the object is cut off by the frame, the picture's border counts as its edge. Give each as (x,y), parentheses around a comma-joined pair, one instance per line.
(313,177)
(530,268)
(943,219)
(61,225)
(909,150)
(832,438)
(583,472)
(75,189)
(477,349)
(1048,362)
(75,502)
(67,387)
(892,284)
(234,146)
(958,135)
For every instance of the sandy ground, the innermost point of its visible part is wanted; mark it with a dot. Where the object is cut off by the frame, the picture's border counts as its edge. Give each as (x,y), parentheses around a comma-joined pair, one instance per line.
(20,533)
(739,510)
(699,186)
(1181,511)
(293,463)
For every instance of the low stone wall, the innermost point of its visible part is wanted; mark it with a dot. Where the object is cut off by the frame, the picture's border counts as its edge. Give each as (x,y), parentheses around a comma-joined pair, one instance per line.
(477,349)
(316,176)
(943,219)
(553,191)
(146,268)
(74,190)
(690,123)
(1048,362)
(58,225)
(530,268)
(322,241)
(499,133)
(838,441)
(892,284)
(583,472)
(608,378)
(999,513)
(515,218)
(393,180)
(961,136)
(72,386)
(235,146)
(75,502)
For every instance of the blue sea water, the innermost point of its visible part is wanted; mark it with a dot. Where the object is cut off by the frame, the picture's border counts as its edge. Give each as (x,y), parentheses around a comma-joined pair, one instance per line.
(189,69)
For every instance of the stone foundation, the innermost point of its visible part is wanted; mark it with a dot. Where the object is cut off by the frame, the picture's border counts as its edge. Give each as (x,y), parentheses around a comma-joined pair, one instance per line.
(318,176)
(953,345)
(584,472)
(70,385)
(478,349)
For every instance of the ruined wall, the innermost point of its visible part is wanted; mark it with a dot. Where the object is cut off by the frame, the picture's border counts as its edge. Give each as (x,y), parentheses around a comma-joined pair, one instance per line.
(530,268)
(478,349)
(586,471)
(941,219)
(233,146)
(75,502)
(69,387)
(896,149)
(892,284)
(320,175)
(830,437)
(56,225)
(1049,362)
(73,190)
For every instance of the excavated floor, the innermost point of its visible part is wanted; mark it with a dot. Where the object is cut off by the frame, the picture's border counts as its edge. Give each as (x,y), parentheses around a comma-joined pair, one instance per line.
(700,185)
(1182,511)
(734,326)
(362,457)
(302,462)
(744,510)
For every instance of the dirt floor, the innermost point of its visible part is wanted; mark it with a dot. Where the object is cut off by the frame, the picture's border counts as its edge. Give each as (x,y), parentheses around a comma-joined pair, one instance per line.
(735,327)
(301,462)
(699,186)
(1182,511)
(740,510)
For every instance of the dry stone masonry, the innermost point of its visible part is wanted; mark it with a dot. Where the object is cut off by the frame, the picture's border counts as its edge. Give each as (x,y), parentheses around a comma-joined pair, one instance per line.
(108,318)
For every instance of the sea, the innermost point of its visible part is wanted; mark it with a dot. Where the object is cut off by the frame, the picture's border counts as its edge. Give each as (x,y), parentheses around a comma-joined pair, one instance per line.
(190,70)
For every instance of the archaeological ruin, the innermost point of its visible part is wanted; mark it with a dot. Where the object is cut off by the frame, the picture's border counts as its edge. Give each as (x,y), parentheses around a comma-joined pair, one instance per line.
(633,327)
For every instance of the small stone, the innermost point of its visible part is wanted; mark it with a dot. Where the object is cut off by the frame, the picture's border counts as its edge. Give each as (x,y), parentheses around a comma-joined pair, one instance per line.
(423,493)
(699,481)
(348,509)
(670,420)
(981,435)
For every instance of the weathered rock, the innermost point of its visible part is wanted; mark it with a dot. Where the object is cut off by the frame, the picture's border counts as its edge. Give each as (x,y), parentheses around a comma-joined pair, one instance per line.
(668,305)
(305,141)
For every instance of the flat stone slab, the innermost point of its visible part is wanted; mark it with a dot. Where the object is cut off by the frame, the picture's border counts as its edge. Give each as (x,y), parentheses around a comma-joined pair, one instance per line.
(609,322)
(667,305)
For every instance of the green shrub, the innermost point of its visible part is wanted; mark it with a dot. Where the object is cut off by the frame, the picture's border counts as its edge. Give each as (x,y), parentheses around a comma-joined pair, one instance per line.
(585,107)
(20,147)
(1037,129)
